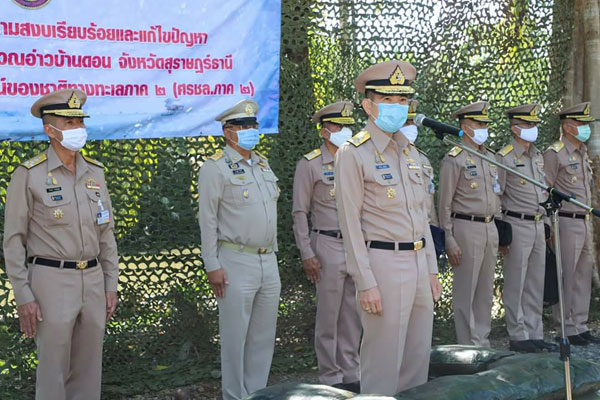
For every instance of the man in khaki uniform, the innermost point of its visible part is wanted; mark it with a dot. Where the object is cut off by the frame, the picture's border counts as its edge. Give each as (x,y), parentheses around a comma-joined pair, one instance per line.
(568,169)
(337,326)
(238,195)
(525,260)
(389,250)
(410,131)
(468,201)
(60,253)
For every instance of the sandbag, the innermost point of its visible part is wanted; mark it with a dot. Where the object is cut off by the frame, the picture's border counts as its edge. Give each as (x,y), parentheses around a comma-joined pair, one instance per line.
(290,391)
(462,360)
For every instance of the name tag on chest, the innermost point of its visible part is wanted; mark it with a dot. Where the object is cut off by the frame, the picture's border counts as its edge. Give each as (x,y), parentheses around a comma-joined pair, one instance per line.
(103,217)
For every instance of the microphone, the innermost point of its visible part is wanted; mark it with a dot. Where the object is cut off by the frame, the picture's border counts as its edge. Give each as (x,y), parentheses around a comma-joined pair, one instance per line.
(439,128)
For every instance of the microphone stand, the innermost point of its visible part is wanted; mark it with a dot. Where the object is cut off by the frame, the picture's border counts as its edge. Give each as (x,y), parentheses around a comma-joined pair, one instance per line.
(552,205)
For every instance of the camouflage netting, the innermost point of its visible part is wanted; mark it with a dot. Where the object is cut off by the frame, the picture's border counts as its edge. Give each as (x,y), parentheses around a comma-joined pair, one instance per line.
(165,332)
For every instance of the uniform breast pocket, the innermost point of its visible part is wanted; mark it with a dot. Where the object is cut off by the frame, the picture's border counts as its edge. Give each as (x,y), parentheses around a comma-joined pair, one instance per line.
(271,182)
(387,191)
(473,178)
(325,192)
(58,210)
(241,192)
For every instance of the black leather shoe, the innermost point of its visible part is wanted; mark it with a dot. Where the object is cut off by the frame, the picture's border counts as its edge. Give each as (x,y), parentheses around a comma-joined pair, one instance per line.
(575,340)
(523,346)
(351,387)
(587,335)
(542,345)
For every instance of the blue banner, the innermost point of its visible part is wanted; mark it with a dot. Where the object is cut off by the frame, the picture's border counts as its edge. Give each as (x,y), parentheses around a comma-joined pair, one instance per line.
(150,68)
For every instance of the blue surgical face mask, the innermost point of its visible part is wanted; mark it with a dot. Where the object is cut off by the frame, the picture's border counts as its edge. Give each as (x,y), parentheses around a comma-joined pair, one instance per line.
(583,133)
(391,117)
(248,138)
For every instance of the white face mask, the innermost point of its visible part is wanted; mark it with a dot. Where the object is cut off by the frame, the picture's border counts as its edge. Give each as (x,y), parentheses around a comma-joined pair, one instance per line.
(411,132)
(480,136)
(73,139)
(340,137)
(528,134)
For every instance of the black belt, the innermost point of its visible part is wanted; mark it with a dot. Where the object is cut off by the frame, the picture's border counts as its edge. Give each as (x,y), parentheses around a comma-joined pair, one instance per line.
(523,216)
(418,245)
(334,234)
(65,264)
(574,215)
(473,218)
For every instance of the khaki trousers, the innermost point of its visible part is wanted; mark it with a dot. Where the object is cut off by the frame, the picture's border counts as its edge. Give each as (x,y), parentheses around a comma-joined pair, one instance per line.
(69,339)
(524,271)
(577,263)
(472,286)
(396,345)
(247,321)
(337,326)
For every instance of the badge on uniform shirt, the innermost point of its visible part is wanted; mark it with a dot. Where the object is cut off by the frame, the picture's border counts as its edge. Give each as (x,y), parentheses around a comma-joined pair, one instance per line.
(522,181)
(238,171)
(378,157)
(386,176)
(474,185)
(382,166)
(328,173)
(391,193)
(245,193)
(58,213)
(332,192)
(329,167)
(57,197)
(91,184)
(496,185)
(50,180)
(470,164)
(573,166)
(406,151)
(54,189)
(572,159)
(413,165)
(263,164)
(473,173)
(574,179)
(234,166)
(518,162)
(103,217)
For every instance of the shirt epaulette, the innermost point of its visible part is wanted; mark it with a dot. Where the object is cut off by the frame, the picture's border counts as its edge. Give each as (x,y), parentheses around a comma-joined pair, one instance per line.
(40,158)
(455,151)
(360,138)
(313,154)
(260,155)
(557,146)
(92,161)
(217,156)
(506,150)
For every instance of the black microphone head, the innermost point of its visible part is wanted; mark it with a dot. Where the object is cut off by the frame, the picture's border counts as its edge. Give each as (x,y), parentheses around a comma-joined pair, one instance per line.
(418,119)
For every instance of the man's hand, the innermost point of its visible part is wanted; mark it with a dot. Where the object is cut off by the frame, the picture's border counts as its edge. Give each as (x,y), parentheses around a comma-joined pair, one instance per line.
(312,269)
(370,301)
(454,256)
(111,304)
(436,287)
(504,250)
(218,281)
(29,315)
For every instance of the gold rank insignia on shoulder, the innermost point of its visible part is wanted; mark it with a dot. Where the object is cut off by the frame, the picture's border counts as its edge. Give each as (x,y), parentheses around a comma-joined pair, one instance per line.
(506,150)
(557,146)
(313,154)
(37,160)
(454,151)
(217,156)
(91,160)
(260,155)
(360,138)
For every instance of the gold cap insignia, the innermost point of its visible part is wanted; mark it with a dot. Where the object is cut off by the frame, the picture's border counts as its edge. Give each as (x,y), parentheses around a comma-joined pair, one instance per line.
(249,110)
(586,110)
(484,110)
(397,77)
(74,101)
(346,111)
(535,111)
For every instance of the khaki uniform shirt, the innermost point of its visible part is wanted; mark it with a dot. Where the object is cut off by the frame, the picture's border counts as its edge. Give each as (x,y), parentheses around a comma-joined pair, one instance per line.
(238,203)
(314,194)
(51,213)
(569,170)
(429,187)
(468,185)
(518,195)
(380,196)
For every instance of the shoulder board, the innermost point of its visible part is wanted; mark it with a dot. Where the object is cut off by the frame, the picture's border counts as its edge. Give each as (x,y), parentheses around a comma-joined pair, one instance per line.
(421,151)
(455,151)
(217,156)
(313,154)
(92,161)
(360,138)
(557,146)
(40,158)
(506,150)
(260,155)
